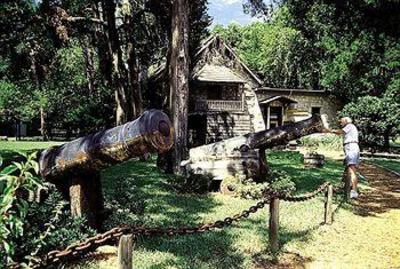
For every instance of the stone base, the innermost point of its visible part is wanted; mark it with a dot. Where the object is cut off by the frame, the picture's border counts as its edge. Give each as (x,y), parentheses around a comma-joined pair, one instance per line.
(243,165)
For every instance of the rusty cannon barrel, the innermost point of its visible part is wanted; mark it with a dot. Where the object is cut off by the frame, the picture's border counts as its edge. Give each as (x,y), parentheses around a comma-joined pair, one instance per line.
(151,132)
(283,134)
(74,167)
(244,156)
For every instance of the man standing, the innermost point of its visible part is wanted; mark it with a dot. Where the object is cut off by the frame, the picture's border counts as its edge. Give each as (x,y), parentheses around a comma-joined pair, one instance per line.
(351,150)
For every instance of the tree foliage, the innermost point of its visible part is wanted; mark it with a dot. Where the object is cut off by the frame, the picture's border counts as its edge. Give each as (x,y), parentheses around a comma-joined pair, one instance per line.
(350,48)
(82,65)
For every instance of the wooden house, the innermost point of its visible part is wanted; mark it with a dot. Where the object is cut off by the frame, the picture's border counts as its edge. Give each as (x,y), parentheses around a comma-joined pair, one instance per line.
(222,98)
(227,99)
(281,106)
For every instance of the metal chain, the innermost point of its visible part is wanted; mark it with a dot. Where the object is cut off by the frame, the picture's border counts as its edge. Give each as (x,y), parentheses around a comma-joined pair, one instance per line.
(299,198)
(90,244)
(79,249)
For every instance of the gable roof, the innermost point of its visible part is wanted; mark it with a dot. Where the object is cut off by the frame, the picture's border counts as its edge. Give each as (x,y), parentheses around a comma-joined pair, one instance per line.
(219,42)
(214,71)
(217,73)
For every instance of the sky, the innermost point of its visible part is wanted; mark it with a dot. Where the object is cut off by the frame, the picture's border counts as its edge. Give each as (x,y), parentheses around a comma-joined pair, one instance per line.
(227,11)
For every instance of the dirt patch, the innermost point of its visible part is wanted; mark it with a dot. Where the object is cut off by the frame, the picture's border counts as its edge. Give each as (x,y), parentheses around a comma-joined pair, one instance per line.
(383,194)
(365,235)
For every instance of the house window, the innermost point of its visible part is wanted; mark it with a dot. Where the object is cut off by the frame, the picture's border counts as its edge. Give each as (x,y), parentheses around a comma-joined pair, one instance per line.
(315,110)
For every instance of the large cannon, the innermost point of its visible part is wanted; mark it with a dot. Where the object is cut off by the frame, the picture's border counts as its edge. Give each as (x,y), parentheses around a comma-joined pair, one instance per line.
(74,167)
(244,156)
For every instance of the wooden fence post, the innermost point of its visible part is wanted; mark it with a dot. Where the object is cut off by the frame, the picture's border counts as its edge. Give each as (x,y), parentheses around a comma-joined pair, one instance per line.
(86,198)
(328,215)
(274,224)
(125,252)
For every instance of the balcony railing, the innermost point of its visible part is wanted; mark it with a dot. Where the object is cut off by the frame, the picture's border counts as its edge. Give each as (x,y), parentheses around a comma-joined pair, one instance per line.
(219,105)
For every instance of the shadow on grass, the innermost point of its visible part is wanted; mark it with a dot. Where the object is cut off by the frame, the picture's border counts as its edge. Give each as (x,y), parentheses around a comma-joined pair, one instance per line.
(384,194)
(306,179)
(166,208)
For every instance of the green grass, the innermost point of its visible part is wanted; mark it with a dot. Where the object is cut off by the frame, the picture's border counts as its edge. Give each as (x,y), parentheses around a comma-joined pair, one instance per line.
(393,165)
(9,149)
(245,245)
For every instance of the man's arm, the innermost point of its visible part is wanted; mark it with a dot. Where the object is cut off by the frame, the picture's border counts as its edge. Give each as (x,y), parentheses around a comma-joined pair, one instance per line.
(335,131)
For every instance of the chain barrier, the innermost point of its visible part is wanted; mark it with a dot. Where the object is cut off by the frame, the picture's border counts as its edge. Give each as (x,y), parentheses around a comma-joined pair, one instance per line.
(90,244)
(79,249)
(306,196)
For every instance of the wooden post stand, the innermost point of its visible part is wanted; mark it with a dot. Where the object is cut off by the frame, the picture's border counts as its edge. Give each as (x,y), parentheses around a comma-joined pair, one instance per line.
(125,252)
(328,216)
(86,198)
(274,225)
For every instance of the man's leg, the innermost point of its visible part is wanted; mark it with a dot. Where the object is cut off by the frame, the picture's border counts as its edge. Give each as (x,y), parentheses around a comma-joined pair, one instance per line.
(347,182)
(352,169)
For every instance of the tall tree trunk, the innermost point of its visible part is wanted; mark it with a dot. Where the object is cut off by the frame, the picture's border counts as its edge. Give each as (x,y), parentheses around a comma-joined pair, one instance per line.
(179,80)
(134,79)
(38,81)
(43,124)
(89,65)
(124,111)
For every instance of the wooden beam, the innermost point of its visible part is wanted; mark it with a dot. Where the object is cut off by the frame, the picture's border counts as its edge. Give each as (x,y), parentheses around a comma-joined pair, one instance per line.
(86,198)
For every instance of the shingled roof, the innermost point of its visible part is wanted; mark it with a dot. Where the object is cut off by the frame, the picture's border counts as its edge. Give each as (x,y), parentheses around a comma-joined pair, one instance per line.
(216,61)
(217,73)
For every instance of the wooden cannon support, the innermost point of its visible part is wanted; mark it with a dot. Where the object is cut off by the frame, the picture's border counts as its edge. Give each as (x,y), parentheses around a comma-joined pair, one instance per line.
(74,167)
(244,156)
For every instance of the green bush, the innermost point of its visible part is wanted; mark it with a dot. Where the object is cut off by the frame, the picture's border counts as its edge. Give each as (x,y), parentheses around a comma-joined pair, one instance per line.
(192,182)
(249,189)
(30,229)
(326,142)
(378,119)
(49,226)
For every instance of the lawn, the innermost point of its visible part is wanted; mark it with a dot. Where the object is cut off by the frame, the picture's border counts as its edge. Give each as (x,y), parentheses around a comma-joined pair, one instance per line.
(138,193)
(393,165)
(8,149)
(243,246)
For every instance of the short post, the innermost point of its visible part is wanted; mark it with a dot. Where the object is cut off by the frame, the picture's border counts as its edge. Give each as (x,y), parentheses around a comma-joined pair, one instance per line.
(125,252)
(328,215)
(86,198)
(274,224)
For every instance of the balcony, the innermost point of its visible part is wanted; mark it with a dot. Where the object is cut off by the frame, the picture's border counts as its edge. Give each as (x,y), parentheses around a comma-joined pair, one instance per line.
(219,105)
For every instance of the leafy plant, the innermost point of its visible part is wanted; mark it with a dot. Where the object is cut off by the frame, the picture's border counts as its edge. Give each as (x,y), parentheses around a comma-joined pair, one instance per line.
(14,180)
(192,182)
(30,229)
(249,189)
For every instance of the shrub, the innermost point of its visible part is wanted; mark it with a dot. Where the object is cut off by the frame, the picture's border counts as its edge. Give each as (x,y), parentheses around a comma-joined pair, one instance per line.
(249,189)
(327,141)
(192,182)
(281,181)
(33,229)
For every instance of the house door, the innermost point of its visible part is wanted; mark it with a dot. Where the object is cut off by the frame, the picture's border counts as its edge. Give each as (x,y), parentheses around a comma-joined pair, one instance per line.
(276,116)
(197,130)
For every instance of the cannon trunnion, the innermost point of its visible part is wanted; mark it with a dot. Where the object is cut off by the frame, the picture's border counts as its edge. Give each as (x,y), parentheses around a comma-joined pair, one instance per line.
(74,167)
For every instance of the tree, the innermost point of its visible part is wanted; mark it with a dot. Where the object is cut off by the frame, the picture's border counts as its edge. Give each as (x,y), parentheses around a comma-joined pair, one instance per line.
(378,119)
(179,79)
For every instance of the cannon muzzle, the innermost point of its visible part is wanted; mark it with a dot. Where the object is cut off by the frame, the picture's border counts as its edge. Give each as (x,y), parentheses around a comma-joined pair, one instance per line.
(151,132)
